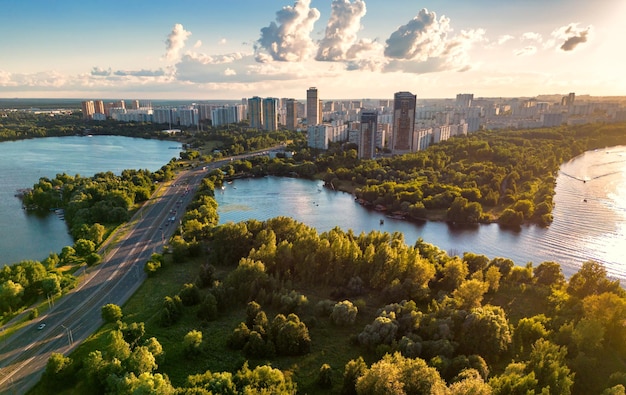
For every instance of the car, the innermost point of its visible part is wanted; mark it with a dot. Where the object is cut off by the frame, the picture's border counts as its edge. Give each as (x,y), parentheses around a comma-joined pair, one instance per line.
(41,326)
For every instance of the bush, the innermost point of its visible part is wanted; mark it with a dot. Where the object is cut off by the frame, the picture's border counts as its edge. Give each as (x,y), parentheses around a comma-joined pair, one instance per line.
(324,378)
(344,313)
(111,313)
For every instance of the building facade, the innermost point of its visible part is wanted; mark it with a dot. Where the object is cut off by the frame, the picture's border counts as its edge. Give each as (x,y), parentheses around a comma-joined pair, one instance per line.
(291,121)
(313,107)
(403,122)
(270,114)
(368,129)
(255,112)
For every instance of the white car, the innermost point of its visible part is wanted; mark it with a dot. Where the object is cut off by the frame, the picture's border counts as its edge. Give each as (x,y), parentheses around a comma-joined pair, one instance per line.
(41,326)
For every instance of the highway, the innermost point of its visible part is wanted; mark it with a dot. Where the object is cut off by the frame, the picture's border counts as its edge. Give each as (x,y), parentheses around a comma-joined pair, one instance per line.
(74,317)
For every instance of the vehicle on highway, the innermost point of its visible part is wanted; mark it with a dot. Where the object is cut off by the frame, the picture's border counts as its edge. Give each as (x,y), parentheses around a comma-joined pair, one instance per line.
(41,326)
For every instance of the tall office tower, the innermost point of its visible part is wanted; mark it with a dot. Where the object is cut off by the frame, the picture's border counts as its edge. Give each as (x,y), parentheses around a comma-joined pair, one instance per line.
(292,114)
(403,122)
(270,114)
(367,140)
(313,112)
(464,100)
(98,106)
(255,112)
(88,109)
(134,105)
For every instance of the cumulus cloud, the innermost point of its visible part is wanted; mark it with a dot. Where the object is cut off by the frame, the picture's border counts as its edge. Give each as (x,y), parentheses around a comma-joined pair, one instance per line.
(176,42)
(503,39)
(288,39)
(425,44)
(421,38)
(229,72)
(140,73)
(571,36)
(198,44)
(532,36)
(97,71)
(340,37)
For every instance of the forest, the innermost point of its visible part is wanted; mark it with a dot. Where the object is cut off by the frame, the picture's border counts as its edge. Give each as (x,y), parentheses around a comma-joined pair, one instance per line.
(276,307)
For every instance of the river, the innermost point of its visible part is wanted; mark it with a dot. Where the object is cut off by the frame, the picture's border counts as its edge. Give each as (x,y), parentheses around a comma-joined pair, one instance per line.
(25,235)
(589,216)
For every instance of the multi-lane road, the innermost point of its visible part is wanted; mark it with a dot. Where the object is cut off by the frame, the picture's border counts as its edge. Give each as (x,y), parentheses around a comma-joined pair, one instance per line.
(24,355)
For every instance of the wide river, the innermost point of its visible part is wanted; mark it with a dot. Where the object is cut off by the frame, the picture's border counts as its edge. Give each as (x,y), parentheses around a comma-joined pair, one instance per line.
(589,215)
(25,235)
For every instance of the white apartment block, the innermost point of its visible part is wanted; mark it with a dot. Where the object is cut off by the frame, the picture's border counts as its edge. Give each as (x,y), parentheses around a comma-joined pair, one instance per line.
(318,136)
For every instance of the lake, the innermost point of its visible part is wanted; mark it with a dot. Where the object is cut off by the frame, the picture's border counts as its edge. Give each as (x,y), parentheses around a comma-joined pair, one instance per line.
(589,216)
(25,235)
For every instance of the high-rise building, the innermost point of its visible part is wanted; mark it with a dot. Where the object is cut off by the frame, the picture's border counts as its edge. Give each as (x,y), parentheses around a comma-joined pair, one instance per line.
(313,107)
(98,106)
(464,100)
(88,109)
(255,112)
(270,114)
(292,114)
(225,115)
(403,122)
(368,129)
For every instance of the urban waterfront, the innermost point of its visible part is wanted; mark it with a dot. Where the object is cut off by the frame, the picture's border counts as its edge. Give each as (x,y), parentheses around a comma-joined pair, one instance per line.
(589,215)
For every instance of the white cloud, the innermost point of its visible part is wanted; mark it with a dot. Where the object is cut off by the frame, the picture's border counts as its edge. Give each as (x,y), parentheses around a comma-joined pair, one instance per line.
(526,51)
(229,72)
(289,40)
(140,73)
(100,71)
(340,37)
(571,36)
(222,41)
(425,44)
(421,38)
(532,36)
(176,42)
(198,44)
(504,38)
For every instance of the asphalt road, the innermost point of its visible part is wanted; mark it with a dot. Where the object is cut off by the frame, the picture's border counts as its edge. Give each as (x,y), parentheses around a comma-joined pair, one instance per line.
(74,317)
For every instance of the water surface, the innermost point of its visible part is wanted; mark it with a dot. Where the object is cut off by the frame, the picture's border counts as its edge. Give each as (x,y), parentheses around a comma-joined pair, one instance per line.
(589,216)
(25,235)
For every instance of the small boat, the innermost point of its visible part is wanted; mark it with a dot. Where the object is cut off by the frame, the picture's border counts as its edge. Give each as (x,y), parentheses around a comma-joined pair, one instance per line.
(382,221)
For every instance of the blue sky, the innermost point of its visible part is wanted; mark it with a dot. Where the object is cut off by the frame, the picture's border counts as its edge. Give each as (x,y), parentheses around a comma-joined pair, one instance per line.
(192,49)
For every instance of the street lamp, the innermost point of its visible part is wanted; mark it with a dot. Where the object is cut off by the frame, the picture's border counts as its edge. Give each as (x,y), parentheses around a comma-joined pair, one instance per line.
(70,338)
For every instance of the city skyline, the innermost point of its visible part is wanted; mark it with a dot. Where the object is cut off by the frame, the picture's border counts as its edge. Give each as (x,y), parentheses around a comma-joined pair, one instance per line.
(279,48)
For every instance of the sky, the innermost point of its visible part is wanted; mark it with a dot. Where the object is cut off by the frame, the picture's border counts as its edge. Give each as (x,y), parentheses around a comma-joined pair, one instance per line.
(348,49)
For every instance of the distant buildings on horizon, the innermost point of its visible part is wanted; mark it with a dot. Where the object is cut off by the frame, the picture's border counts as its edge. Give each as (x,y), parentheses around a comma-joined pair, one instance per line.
(401,125)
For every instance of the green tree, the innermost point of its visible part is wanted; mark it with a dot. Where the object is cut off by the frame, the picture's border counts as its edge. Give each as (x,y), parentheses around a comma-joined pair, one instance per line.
(263,380)
(324,377)
(141,361)
(59,371)
(111,312)
(592,279)
(192,343)
(395,374)
(344,313)
(486,332)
